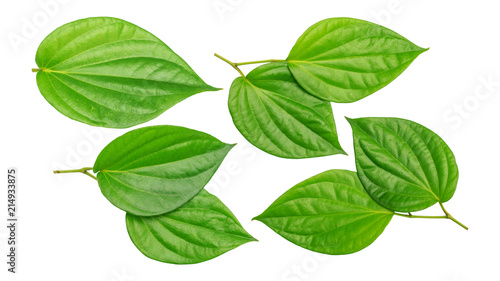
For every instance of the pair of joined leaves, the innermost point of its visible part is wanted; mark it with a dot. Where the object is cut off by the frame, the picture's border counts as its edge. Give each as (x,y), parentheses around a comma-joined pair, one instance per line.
(107,72)
(283,107)
(157,174)
(401,167)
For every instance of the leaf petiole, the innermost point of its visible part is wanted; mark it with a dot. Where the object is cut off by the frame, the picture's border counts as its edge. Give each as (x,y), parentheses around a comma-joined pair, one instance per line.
(90,175)
(84,170)
(420,217)
(235,64)
(446,216)
(231,64)
(258,61)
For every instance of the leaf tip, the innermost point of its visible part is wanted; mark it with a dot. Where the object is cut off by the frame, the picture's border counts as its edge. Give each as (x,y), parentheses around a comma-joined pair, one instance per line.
(423,50)
(250,238)
(350,120)
(339,150)
(213,89)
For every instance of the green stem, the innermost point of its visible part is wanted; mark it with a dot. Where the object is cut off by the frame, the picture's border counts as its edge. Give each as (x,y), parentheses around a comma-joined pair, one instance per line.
(231,64)
(258,61)
(235,64)
(90,175)
(83,170)
(420,217)
(448,215)
(36,69)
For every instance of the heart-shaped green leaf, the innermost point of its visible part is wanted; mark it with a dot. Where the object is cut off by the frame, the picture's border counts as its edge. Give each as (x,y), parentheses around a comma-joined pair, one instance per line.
(154,170)
(403,165)
(276,115)
(345,59)
(110,73)
(199,230)
(329,213)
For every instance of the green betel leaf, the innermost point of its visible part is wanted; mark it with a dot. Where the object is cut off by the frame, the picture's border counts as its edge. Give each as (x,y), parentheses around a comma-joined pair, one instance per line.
(345,59)
(403,165)
(110,73)
(329,213)
(276,115)
(199,230)
(154,170)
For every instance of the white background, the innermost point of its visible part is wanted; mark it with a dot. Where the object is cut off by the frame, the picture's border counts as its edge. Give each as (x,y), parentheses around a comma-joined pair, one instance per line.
(69,231)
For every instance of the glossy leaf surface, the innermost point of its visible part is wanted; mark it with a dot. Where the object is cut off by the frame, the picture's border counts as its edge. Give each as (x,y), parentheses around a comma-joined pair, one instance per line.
(154,170)
(200,230)
(276,115)
(345,59)
(403,165)
(329,213)
(110,73)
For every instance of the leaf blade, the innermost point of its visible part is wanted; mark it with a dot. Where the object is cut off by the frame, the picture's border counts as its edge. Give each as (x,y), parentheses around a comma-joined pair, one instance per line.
(154,170)
(403,165)
(329,213)
(201,229)
(276,115)
(111,73)
(344,59)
